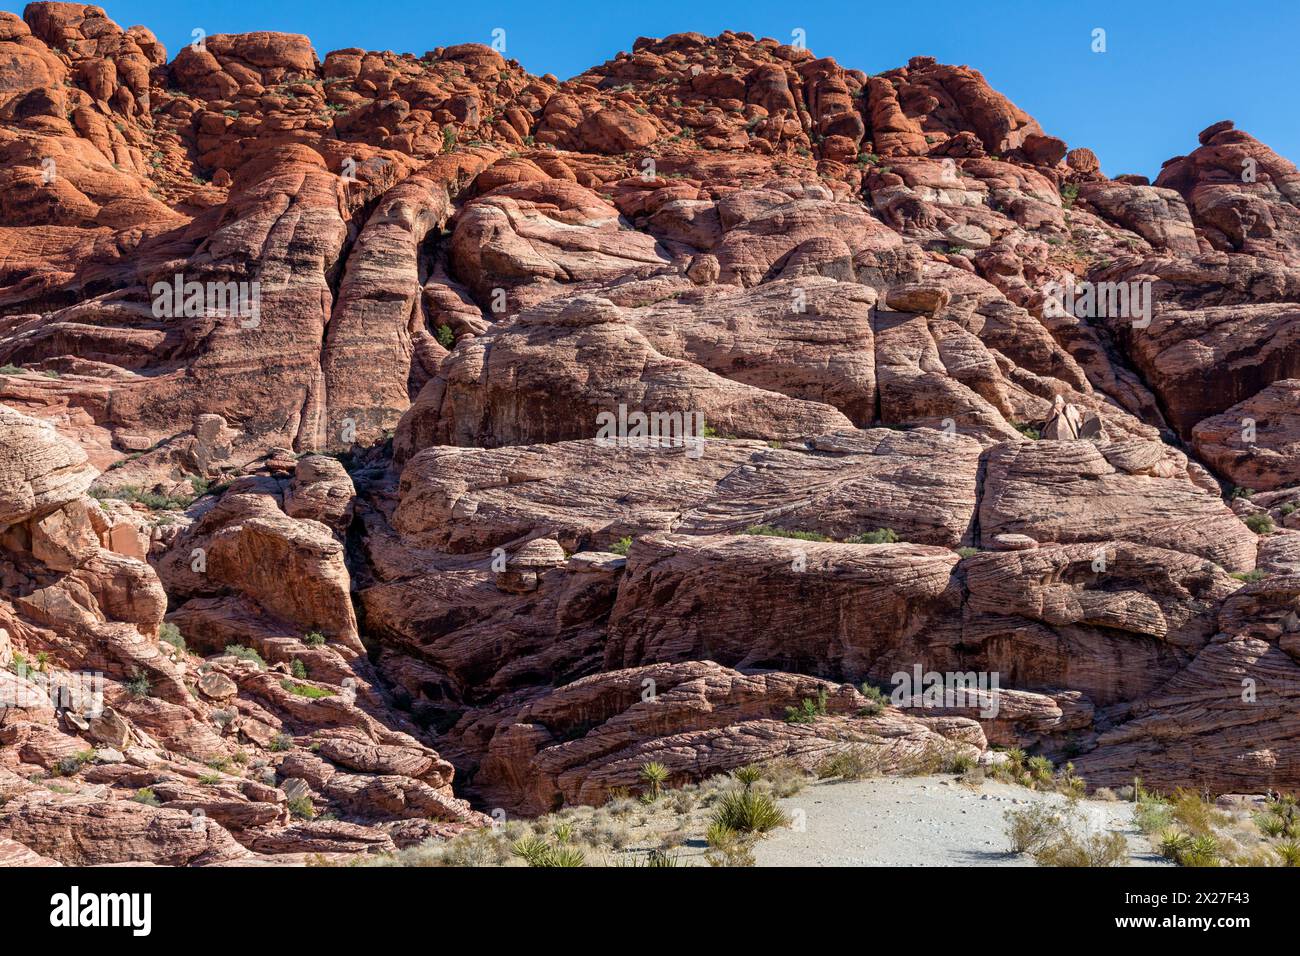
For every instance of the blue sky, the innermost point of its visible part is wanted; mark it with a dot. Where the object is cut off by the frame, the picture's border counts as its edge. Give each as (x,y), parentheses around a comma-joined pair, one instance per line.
(1170,69)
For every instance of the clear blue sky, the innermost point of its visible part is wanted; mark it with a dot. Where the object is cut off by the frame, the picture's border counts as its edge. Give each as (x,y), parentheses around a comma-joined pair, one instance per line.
(1170,69)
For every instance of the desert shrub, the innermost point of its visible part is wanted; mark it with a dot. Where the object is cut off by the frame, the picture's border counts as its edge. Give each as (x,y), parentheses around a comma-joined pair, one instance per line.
(298,669)
(879,536)
(1195,813)
(302,808)
(68,766)
(1029,431)
(1152,815)
(445,336)
(313,639)
(209,779)
(1070,783)
(245,654)
(1260,523)
(621,806)
(1031,829)
(1250,577)
(807,711)
(1096,849)
(728,847)
(769,531)
(967,552)
(169,633)
(306,690)
(853,763)
(146,796)
(877,700)
(749,811)
(961,763)
(140,686)
(281,742)
(785,777)
(602,831)
(621,546)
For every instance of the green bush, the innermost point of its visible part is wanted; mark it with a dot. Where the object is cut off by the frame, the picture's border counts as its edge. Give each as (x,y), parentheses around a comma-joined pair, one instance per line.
(621,546)
(245,654)
(1260,524)
(877,700)
(307,690)
(749,811)
(1029,431)
(146,796)
(770,531)
(313,639)
(140,686)
(445,336)
(879,536)
(169,633)
(808,711)
(302,808)
(298,669)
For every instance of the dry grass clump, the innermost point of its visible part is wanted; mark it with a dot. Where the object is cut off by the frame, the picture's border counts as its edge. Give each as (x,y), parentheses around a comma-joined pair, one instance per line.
(854,763)
(1051,836)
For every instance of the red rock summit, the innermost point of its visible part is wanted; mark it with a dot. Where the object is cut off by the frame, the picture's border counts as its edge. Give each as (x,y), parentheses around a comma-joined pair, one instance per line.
(304,361)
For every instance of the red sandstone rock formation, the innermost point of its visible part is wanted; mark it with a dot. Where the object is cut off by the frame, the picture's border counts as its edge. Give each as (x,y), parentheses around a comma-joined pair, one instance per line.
(308,356)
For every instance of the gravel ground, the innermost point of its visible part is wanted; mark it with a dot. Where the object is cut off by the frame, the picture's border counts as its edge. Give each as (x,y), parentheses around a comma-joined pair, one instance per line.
(920,821)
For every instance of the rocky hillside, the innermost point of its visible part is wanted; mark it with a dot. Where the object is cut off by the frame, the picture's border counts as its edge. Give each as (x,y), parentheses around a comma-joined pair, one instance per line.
(308,373)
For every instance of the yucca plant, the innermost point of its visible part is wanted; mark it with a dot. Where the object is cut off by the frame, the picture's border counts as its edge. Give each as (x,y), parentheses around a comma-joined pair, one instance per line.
(1288,852)
(1203,851)
(749,811)
(1270,824)
(655,774)
(535,851)
(749,775)
(1174,844)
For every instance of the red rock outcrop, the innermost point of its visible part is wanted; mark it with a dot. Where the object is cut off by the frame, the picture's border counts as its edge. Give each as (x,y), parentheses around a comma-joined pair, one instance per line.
(332,364)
